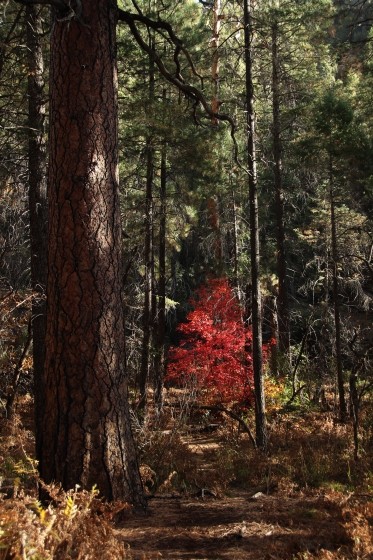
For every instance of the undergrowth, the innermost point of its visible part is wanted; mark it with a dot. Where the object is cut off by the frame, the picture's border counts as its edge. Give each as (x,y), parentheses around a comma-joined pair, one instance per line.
(72,528)
(309,452)
(75,525)
(306,450)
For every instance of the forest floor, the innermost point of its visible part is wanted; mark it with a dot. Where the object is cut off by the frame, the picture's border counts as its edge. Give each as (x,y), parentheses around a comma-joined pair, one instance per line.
(211,496)
(264,522)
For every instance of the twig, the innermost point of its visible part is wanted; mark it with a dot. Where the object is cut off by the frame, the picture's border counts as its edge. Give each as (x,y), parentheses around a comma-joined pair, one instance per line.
(228,412)
(292,398)
(17,373)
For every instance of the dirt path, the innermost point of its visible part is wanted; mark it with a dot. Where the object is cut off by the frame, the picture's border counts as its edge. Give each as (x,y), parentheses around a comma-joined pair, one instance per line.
(238,526)
(234,528)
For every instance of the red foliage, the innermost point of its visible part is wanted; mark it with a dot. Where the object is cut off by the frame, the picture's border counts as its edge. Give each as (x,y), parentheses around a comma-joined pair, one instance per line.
(213,352)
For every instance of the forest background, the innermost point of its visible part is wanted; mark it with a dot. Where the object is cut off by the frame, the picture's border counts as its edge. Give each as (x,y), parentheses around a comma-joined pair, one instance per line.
(186,204)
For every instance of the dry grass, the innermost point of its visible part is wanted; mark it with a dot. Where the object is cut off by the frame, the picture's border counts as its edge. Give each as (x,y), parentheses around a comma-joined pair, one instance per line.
(76,525)
(309,478)
(71,528)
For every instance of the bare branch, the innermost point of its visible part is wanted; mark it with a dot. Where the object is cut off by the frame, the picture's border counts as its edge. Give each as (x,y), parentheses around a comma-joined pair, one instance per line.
(191,92)
(132,19)
(60,4)
(160,25)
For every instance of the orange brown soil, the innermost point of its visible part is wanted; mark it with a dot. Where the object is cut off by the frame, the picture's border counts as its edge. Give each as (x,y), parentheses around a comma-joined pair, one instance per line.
(238,528)
(273,522)
(270,516)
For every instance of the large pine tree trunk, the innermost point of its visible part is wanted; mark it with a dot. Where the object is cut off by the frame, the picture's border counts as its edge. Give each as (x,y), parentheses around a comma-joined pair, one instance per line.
(87,437)
(37,205)
(256,304)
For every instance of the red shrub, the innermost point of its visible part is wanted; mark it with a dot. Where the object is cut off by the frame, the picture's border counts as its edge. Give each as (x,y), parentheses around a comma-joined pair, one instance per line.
(214,351)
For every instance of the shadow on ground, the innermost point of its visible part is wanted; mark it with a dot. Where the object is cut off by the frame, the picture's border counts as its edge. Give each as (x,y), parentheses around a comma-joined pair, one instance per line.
(235,528)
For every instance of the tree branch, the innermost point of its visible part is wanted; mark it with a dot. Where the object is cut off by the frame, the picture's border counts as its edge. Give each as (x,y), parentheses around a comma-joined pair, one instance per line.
(17,373)
(191,92)
(60,4)
(220,408)
(132,19)
(159,25)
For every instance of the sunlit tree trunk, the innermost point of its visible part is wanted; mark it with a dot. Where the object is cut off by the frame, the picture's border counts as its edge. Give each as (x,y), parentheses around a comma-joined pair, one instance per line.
(256,306)
(235,235)
(87,436)
(213,201)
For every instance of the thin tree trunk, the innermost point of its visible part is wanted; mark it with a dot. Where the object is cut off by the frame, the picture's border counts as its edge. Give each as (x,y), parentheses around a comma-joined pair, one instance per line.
(235,244)
(283,299)
(214,219)
(336,301)
(159,361)
(87,438)
(148,280)
(256,307)
(213,203)
(147,318)
(355,412)
(13,389)
(215,39)
(37,199)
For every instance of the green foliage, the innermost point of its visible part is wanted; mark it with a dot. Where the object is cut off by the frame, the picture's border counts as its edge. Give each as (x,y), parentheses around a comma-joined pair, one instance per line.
(333,116)
(326,120)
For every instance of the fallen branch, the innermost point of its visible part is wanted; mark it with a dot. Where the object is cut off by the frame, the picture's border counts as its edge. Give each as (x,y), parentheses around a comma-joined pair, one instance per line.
(292,398)
(228,412)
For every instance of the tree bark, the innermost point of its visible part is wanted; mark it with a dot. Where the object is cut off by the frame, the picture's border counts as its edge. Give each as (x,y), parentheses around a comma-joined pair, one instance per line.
(282,300)
(37,200)
(235,235)
(87,438)
(336,301)
(354,397)
(148,315)
(256,306)
(159,360)
(212,202)
(216,23)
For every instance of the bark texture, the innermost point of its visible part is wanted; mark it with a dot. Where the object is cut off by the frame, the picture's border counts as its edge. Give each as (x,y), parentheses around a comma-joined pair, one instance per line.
(160,320)
(87,437)
(215,39)
(148,309)
(256,303)
(37,198)
(336,300)
(282,300)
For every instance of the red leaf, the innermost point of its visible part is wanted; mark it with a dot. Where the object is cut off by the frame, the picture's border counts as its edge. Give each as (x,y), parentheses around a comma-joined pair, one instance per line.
(213,351)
